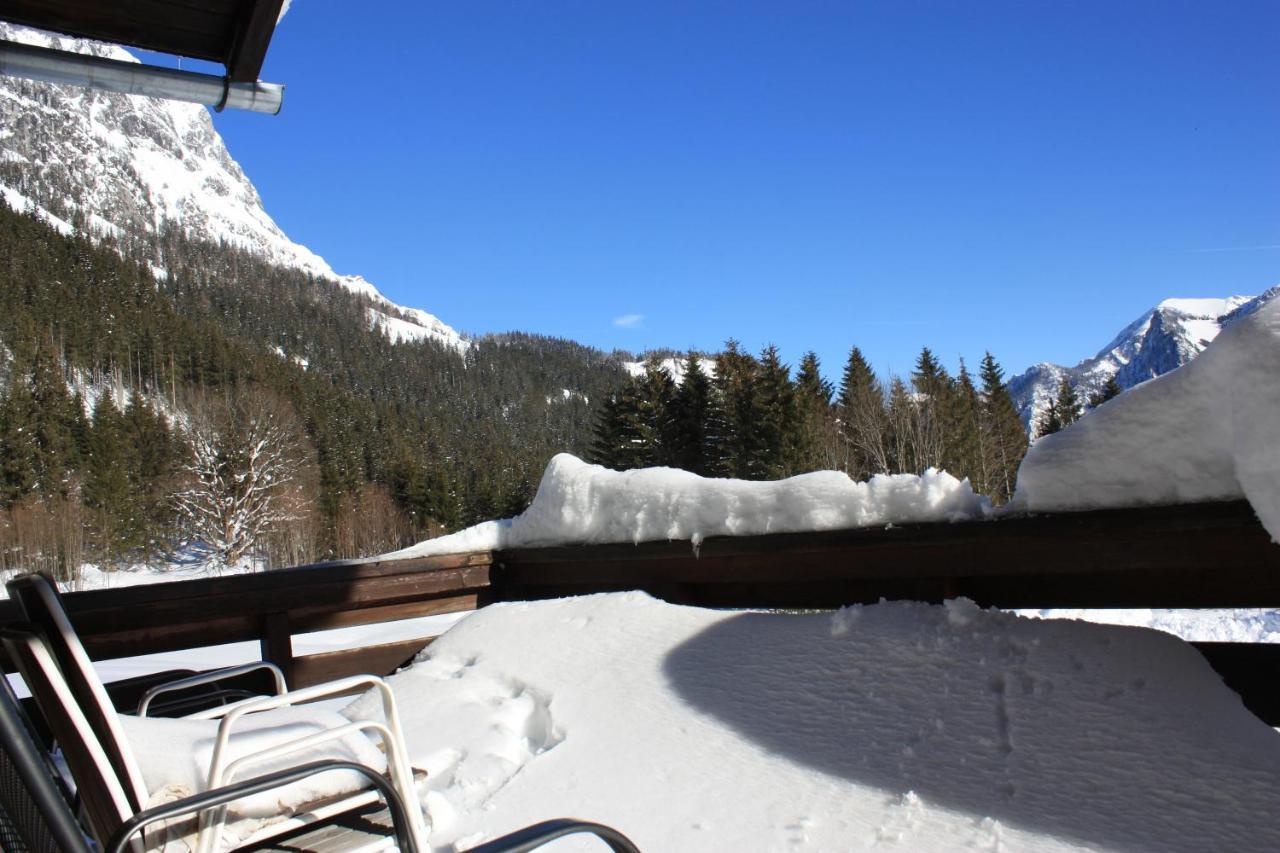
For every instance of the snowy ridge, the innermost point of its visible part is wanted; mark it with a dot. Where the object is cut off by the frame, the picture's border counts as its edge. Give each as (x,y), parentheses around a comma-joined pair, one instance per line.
(1162,339)
(136,165)
(674,367)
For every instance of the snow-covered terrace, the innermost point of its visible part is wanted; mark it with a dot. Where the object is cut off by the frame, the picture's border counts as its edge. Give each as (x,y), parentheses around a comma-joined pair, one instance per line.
(596,678)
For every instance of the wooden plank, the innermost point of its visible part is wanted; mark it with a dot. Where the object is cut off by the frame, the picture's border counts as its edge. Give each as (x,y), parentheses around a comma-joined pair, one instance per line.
(107,644)
(1209,555)
(382,659)
(186,614)
(203,30)
(253,31)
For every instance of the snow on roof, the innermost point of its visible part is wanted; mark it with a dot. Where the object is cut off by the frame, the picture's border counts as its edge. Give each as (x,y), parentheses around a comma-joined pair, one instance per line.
(1209,430)
(926,728)
(582,503)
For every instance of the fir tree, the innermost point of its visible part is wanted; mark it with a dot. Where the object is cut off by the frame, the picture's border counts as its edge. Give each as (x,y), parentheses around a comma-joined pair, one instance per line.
(743,448)
(779,427)
(1063,412)
(691,416)
(965,439)
(816,450)
(934,411)
(1109,390)
(106,491)
(1005,441)
(864,426)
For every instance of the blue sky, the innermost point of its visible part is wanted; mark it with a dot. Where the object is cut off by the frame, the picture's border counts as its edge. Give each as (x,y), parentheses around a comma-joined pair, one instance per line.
(1025,176)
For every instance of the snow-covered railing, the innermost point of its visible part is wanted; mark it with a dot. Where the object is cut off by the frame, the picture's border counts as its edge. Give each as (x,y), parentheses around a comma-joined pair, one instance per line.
(1195,556)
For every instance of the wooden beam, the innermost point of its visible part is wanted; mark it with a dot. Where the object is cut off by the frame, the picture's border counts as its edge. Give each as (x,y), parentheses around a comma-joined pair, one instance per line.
(202,30)
(1205,555)
(187,614)
(382,659)
(248,49)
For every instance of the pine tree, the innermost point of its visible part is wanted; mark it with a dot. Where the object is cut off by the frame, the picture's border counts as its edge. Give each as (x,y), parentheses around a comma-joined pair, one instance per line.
(690,417)
(18,448)
(965,439)
(53,420)
(654,395)
(742,448)
(864,426)
(934,409)
(106,491)
(817,445)
(1005,439)
(779,427)
(1109,390)
(1064,411)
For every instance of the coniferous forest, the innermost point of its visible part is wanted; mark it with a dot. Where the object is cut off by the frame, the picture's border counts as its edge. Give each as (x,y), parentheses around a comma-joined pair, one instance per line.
(748,417)
(257,410)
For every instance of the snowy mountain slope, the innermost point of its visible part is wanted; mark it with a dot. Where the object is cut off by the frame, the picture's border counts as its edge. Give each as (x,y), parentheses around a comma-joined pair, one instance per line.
(127,165)
(1162,339)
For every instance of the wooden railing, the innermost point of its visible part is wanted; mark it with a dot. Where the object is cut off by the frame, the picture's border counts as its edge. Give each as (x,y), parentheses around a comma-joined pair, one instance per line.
(1207,555)
(273,606)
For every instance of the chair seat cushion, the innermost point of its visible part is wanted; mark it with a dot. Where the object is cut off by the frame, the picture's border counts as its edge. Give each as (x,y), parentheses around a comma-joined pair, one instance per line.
(174,756)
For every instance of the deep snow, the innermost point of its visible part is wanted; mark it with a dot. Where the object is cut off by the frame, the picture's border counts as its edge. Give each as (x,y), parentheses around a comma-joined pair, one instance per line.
(1209,430)
(578,502)
(923,728)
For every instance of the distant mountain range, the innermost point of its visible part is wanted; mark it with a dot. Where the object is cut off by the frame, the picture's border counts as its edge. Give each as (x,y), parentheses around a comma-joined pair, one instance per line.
(1162,339)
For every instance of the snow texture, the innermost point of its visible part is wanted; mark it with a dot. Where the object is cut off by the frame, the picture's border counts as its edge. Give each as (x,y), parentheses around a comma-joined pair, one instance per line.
(1207,431)
(899,725)
(579,503)
(135,165)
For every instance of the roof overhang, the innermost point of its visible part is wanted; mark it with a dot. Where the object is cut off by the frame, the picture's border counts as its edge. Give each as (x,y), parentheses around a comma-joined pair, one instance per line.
(233,33)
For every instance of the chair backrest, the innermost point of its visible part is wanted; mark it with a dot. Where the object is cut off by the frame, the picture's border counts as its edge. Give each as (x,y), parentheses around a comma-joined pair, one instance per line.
(102,794)
(40,602)
(35,815)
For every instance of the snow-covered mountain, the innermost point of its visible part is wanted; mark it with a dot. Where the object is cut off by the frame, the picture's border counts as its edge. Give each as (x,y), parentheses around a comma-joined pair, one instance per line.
(1162,339)
(129,165)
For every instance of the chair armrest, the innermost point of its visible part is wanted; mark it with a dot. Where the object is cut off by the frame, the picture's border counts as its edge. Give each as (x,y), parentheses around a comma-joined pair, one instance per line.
(221,796)
(209,678)
(391,733)
(533,837)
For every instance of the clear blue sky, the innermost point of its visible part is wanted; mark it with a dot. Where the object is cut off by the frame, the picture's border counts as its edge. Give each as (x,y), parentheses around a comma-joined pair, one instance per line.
(1020,176)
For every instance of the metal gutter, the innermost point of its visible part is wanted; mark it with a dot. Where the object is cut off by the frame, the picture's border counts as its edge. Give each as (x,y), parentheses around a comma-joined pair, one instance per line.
(128,78)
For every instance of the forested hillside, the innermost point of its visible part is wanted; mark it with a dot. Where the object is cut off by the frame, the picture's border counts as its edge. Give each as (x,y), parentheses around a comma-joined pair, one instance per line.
(117,358)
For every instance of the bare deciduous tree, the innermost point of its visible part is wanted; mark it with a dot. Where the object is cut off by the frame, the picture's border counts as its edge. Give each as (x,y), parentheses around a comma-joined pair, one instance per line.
(245,457)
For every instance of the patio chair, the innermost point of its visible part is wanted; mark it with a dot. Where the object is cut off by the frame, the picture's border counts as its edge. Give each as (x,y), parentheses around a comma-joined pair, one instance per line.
(110,782)
(104,796)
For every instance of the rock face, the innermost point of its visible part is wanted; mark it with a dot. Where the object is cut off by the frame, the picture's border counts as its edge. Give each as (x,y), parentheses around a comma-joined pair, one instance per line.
(1164,338)
(127,166)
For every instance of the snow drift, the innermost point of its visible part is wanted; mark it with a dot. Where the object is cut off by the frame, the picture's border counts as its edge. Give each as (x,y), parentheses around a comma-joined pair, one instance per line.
(579,503)
(930,728)
(1209,430)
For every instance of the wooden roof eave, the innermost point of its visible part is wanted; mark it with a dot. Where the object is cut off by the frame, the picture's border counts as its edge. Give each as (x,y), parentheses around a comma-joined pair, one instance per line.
(235,33)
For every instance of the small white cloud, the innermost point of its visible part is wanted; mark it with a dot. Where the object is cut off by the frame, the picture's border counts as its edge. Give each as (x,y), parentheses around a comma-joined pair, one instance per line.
(628,321)
(284,8)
